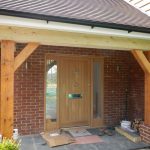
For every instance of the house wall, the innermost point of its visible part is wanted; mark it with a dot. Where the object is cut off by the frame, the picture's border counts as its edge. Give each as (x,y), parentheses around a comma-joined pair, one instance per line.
(136,93)
(120,73)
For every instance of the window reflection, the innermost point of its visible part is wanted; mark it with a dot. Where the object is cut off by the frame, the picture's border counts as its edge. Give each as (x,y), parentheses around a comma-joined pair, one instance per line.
(51,90)
(97,78)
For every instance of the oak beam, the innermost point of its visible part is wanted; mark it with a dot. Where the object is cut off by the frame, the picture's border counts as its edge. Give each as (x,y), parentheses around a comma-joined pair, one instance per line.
(142,60)
(7,88)
(62,38)
(24,54)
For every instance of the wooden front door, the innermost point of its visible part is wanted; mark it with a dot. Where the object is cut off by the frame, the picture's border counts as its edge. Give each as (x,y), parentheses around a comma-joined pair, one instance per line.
(74,91)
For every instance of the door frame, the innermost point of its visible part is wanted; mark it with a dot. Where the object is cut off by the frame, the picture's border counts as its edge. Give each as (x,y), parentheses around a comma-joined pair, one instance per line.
(57,57)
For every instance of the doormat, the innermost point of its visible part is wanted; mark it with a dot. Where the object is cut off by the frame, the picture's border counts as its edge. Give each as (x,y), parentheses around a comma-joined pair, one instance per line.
(88,140)
(78,132)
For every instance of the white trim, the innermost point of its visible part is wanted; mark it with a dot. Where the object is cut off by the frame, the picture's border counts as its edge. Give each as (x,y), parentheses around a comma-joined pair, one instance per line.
(57,26)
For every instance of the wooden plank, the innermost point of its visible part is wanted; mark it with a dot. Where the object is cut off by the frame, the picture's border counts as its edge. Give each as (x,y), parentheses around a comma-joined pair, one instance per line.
(59,38)
(24,54)
(53,141)
(129,135)
(7,87)
(142,60)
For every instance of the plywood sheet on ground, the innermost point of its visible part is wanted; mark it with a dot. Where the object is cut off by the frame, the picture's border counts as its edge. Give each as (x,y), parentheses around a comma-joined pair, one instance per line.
(53,141)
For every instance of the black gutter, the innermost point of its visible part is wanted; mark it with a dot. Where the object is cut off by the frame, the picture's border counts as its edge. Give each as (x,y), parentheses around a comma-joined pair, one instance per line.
(74,21)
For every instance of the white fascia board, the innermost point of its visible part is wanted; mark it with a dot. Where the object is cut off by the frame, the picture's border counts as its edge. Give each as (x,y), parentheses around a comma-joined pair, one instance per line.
(57,26)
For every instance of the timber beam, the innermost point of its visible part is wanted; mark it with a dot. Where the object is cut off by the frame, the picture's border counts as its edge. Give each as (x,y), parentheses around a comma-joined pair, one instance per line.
(69,39)
(24,54)
(144,62)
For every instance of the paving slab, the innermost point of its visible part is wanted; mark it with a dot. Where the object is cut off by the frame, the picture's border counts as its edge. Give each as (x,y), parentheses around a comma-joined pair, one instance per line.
(115,142)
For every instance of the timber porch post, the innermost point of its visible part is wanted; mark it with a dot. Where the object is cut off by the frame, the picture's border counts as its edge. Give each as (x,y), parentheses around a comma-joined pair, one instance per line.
(9,64)
(7,88)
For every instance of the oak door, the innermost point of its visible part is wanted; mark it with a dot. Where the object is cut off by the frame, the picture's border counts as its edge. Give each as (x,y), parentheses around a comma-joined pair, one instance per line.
(74,96)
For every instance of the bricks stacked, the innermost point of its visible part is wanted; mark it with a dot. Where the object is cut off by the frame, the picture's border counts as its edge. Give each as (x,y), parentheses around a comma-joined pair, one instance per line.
(145,133)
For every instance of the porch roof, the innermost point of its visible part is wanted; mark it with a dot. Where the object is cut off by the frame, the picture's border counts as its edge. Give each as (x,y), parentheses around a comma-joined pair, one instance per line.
(102,13)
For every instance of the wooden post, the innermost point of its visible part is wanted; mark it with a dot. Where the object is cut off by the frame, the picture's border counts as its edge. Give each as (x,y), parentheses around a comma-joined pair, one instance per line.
(147,93)
(9,65)
(7,88)
(144,62)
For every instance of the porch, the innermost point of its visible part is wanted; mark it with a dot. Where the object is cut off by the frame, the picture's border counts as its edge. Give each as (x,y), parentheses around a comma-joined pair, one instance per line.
(19,69)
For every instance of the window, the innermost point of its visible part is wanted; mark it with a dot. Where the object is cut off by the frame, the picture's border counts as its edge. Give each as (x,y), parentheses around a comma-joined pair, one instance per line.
(51,90)
(97,89)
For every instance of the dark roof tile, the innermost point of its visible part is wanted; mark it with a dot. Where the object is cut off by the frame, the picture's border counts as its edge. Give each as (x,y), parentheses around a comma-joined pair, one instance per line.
(100,11)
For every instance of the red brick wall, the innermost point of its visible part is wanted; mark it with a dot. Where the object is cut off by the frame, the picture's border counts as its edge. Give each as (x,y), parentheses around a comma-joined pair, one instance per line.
(145,133)
(29,86)
(136,93)
(115,85)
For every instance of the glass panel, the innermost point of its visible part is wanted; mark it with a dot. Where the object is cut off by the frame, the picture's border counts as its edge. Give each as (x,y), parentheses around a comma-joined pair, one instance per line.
(51,90)
(97,90)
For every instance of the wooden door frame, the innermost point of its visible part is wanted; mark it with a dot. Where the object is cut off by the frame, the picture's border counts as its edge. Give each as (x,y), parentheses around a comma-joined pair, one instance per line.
(91,60)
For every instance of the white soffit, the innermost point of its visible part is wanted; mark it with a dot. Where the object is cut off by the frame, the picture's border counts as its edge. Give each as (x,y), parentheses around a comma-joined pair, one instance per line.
(66,27)
(142,5)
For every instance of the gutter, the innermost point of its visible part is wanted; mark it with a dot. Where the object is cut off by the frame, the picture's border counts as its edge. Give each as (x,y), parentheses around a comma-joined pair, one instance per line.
(67,27)
(92,24)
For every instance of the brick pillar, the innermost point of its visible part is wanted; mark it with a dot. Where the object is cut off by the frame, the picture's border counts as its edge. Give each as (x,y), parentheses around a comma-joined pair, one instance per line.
(145,133)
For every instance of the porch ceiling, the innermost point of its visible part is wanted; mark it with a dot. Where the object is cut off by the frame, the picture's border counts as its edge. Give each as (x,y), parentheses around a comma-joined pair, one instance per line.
(61,38)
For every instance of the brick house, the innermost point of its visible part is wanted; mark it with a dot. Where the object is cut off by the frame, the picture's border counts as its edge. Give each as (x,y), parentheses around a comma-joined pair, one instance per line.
(68,64)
